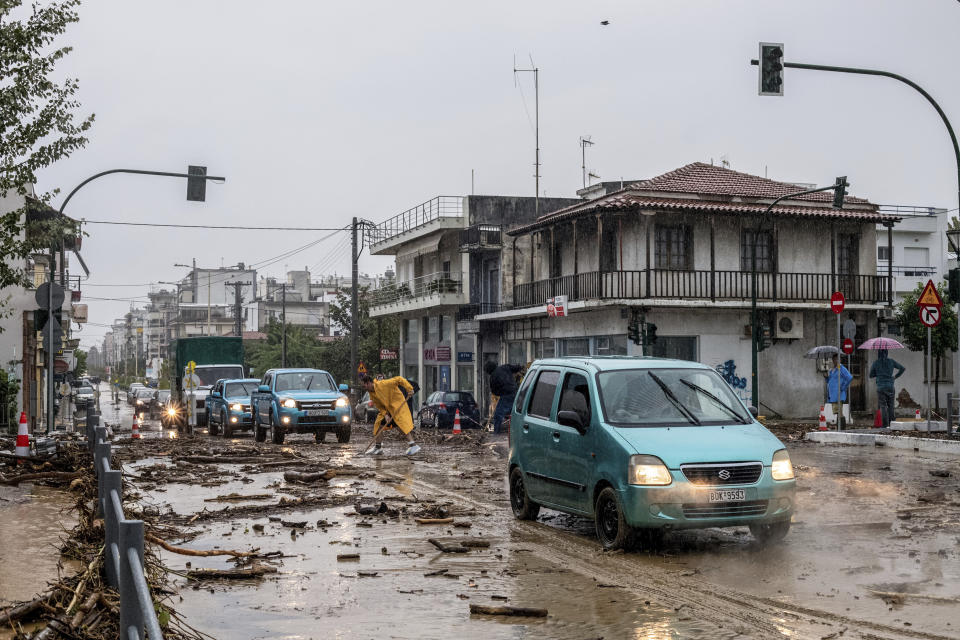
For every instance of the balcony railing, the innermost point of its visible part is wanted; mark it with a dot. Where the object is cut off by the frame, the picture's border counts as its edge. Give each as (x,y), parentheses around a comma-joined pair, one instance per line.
(471,311)
(703,285)
(434,209)
(481,236)
(906,271)
(421,287)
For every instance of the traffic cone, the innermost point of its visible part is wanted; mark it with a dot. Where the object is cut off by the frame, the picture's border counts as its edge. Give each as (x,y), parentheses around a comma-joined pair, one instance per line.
(822,426)
(23,438)
(878,420)
(916,416)
(135,428)
(456,423)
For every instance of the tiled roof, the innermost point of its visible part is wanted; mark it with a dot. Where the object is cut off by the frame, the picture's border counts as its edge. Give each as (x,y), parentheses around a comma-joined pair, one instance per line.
(710,189)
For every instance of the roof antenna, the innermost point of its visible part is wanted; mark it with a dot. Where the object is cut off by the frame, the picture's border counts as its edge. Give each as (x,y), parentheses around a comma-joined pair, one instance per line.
(584,142)
(724,161)
(536,92)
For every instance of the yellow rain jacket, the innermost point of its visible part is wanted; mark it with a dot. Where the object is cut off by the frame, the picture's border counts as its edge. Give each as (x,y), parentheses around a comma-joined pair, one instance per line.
(390,398)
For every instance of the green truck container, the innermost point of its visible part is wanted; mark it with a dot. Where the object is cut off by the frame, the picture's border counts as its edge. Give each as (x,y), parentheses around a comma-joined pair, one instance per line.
(215,357)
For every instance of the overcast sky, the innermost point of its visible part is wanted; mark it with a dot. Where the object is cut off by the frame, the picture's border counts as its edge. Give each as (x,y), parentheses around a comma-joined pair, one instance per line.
(320,111)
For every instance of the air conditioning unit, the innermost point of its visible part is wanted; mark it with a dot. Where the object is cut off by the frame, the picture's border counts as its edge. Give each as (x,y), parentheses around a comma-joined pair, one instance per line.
(887,313)
(789,325)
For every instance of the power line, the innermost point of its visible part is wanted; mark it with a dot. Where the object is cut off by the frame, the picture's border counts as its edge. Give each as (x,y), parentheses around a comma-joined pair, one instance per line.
(210,226)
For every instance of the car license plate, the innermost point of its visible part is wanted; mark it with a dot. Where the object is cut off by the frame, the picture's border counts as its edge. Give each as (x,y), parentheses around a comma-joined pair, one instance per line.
(318,412)
(728,495)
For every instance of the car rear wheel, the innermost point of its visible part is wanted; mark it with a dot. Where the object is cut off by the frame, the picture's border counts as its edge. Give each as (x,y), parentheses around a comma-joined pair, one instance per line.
(276,431)
(523,507)
(612,529)
(770,533)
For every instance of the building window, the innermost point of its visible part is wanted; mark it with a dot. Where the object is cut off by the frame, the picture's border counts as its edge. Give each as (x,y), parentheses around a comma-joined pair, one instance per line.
(676,347)
(465,377)
(761,242)
(575,347)
(410,329)
(883,252)
(543,349)
(517,352)
(848,256)
(674,247)
(611,345)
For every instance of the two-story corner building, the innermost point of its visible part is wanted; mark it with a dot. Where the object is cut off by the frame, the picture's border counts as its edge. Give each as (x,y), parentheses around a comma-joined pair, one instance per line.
(679,247)
(450,259)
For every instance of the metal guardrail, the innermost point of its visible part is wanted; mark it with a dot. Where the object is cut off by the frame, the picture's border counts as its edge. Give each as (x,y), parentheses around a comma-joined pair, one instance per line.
(123,542)
(419,287)
(433,209)
(906,270)
(908,210)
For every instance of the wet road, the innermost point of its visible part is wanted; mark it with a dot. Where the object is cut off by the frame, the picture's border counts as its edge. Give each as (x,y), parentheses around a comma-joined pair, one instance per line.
(870,522)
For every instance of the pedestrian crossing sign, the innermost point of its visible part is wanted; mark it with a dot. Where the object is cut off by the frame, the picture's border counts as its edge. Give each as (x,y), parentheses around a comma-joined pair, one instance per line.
(361,369)
(930,296)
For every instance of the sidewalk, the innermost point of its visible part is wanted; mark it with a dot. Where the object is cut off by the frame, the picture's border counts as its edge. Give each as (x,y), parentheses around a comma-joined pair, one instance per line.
(884,438)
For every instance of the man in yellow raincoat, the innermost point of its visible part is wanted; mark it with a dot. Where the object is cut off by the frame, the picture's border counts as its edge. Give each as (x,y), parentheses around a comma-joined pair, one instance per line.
(390,397)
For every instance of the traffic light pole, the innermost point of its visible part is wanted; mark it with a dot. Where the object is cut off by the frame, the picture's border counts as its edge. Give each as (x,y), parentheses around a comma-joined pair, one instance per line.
(754,328)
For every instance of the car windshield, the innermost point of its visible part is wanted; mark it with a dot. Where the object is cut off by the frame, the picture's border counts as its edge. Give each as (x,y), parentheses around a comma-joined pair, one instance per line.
(658,397)
(85,391)
(209,375)
(163,396)
(145,393)
(459,396)
(235,389)
(304,381)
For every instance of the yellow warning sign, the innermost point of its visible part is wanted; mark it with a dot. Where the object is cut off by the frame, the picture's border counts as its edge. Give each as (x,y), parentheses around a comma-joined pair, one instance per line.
(361,369)
(930,297)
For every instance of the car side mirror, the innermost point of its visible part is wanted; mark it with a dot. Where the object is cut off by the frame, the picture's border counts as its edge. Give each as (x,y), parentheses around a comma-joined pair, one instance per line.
(263,388)
(344,388)
(215,394)
(571,419)
(753,411)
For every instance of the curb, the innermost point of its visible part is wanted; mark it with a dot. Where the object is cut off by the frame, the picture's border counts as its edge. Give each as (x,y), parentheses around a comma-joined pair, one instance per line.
(880,440)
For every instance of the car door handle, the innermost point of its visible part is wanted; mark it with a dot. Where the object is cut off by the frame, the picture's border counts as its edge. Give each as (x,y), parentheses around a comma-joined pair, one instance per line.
(556,436)
(526,427)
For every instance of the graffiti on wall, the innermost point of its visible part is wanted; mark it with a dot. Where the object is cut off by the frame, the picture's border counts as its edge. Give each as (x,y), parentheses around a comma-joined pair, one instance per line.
(728,371)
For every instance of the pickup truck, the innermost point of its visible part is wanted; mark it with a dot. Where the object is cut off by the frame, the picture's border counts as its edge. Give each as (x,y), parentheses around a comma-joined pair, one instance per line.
(300,401)
(228,406)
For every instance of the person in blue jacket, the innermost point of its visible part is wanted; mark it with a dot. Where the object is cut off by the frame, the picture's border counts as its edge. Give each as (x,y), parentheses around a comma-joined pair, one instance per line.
(882,370)
(838,381)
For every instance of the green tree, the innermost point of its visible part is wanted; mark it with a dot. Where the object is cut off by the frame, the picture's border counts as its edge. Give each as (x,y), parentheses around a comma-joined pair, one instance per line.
(37,122)
(943,337)
(303,349)
(81,367)
(375,334)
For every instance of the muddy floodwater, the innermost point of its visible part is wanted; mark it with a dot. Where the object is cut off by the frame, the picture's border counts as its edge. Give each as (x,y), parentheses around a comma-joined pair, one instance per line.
(874,550)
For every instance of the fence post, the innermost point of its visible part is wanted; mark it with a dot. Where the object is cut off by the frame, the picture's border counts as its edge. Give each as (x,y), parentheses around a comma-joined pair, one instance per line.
(131,537)
(949,413)
(111,481)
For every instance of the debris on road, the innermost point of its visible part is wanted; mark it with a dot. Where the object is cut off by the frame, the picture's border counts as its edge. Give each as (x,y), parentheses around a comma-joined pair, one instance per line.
(245,573)
(505,610)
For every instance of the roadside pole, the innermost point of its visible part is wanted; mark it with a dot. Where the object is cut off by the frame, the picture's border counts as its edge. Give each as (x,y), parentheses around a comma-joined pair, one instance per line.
(930,305)
(929,372)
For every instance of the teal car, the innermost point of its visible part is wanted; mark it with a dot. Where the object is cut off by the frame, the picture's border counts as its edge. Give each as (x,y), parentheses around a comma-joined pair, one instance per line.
(643,446)
(228,406)
(300,401)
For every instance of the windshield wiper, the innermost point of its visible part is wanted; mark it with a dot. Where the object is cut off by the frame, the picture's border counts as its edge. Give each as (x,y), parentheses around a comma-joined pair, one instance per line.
(309,382)
(674,399)
(713,397)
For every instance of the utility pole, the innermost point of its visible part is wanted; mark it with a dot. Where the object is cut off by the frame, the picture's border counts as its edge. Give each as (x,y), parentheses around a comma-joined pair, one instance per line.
(209,293)
(354,306)
(536,127)
(237,306)
(283,322)
(51,358)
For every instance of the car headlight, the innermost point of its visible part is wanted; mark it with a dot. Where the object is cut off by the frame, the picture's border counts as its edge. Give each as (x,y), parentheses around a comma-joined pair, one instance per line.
(648,471)
(781,469)
(139,401)
(171,411)
(342,401)
(236,406)
(290,403)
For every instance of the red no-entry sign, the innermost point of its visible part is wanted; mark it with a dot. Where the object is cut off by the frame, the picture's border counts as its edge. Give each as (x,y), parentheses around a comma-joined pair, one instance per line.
(848,346)
(837,302)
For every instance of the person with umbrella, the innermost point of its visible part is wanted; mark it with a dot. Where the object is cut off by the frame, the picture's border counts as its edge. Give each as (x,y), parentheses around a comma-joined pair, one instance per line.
(838,381)
(882,370)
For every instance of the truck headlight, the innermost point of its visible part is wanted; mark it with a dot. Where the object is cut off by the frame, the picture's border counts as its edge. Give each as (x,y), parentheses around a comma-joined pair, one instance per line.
(290,403)
(342,401)
(236,407)
(648,471)
(781,469)
(171,411)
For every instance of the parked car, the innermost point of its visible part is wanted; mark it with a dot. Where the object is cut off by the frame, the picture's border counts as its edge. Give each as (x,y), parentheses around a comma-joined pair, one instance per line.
(300,401)
(132,392)
(440,408)
(83,395)
(171,413)
(365,410)
(160,399)
(143,400)
(228,406)
(644,446)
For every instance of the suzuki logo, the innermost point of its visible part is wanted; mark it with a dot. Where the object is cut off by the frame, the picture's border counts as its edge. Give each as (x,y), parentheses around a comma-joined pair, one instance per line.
(724,474)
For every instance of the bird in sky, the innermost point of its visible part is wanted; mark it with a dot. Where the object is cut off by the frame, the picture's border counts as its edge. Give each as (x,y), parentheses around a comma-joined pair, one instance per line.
(604,22)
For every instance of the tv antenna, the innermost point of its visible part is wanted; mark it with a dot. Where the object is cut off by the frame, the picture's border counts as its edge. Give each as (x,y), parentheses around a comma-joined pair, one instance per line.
(536,92)
(585,141)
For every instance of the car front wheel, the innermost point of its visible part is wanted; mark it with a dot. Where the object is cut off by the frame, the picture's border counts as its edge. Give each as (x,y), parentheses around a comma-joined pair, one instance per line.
(612,529)
(770,533)
(276,431)
(225,425)
(259,433)
(523,507)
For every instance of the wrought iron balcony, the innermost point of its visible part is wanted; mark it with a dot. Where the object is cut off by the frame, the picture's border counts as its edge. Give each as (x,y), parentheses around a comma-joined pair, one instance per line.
(419,216)
(703,285)
(481,237)
(433,284)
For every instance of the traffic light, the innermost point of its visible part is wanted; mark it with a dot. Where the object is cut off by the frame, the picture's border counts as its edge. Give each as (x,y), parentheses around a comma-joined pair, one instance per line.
(771,69)
(839,191)
(197,187)
(633,332)
(953,285)
(651,333)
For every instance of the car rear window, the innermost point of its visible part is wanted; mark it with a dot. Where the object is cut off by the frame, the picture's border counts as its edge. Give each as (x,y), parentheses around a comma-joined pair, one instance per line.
(459,396)
(541,402)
